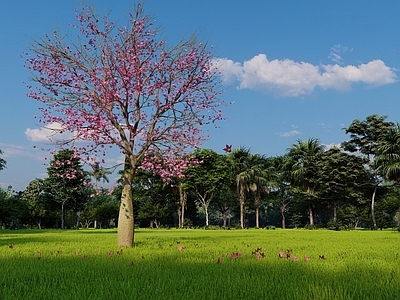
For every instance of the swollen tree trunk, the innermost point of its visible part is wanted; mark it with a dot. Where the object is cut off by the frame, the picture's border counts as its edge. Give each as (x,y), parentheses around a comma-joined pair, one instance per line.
(373,207)
(126,224)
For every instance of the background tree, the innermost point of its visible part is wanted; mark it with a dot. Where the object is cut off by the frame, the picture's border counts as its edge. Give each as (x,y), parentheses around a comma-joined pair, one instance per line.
(303,161)
(100,210)
(241,170)
(99,173)
(342,180)
(153,198)
(2,162)
(261,174)
(13,211)
(281,191)
(122,86)
(388,154)
(66,182)
(365,138)
(208,178)
(35,200)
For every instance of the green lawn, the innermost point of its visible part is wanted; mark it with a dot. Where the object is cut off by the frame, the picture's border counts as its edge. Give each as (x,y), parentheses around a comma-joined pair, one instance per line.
(200,264)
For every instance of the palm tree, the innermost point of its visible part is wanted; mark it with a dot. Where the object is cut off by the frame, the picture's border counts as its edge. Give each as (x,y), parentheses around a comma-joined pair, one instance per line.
(261,175)
(241,166)
(252,175)
(303,157)
(99,173)
(388,154)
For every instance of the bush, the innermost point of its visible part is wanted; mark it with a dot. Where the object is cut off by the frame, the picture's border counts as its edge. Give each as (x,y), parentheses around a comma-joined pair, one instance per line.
(310,227)
(212,227)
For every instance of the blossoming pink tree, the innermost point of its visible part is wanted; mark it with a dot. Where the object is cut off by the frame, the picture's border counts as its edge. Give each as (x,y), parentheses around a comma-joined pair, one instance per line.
(121,86)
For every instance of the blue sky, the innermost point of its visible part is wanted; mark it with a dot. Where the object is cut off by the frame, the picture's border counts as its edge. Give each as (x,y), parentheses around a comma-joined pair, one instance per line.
(295,69)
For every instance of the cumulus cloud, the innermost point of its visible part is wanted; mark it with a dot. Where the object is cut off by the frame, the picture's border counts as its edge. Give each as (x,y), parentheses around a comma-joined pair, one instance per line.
(53,131)
(291,79)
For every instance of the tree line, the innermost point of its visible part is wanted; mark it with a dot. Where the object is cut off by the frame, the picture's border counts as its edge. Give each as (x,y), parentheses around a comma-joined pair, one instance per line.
(352,185)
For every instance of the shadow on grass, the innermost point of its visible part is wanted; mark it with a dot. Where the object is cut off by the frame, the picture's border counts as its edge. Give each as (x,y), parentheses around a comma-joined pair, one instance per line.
(129,276)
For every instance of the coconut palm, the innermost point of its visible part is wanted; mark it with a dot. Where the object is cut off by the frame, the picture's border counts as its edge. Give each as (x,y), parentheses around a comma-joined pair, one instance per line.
(99,173)
(303,157)
(261,175)
(388,154)
(241,166)
(252,175)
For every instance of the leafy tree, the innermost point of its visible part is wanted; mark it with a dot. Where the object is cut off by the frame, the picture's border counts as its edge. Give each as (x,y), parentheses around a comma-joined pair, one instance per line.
(281,191)
(33,195)
(303,161)
(124,87)
(12,210)
(152,196)
(223,203)
(103,208)
(66,182)
(365,138)
(342,179)
(2,162)
(208,178)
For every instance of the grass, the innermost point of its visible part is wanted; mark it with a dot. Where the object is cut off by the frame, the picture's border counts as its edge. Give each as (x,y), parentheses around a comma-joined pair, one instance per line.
(200,264)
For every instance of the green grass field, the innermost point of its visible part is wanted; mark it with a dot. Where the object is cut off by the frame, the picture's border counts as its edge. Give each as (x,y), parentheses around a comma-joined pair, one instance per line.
(200,264)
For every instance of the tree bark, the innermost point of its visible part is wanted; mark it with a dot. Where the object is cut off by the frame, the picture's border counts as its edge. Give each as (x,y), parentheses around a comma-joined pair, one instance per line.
(182,204)
(311,214)
(373,207)
(242,208)
(257,204)
(62,215)
(125,219)
(282,208)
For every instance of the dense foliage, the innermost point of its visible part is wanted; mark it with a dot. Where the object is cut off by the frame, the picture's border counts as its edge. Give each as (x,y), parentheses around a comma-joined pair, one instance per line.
(309,187)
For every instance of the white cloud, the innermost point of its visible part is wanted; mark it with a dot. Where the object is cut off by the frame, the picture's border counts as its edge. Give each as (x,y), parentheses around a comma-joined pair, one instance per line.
(289,133)
(336,53)
(330,146)
(53,131)
(289,78)
(10,150)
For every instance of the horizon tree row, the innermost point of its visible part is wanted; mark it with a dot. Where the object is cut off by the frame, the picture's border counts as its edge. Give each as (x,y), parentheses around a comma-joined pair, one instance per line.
(308,186)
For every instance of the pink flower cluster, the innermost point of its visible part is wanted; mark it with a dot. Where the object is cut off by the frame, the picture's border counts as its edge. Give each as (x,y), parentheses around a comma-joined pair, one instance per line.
(122,87)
